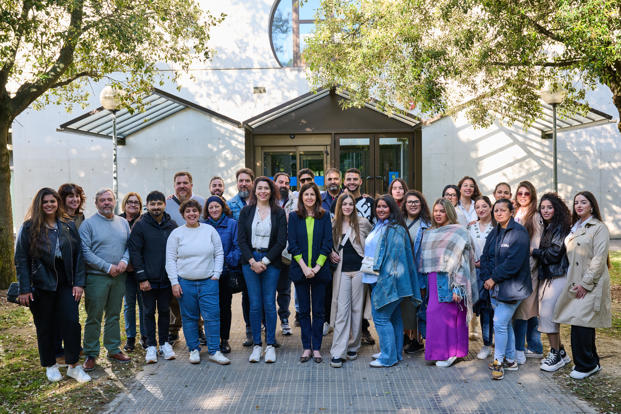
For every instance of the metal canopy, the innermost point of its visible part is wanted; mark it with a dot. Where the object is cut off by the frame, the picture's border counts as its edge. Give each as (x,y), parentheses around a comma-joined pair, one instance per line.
(155,107)
(576,121)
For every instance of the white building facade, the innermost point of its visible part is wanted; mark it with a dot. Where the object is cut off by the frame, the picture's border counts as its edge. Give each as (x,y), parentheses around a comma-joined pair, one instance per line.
(251,106)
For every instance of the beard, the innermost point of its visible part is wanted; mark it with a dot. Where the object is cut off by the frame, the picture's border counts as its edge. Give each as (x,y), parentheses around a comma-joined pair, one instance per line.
(244,194)
(333,188)
(284,192)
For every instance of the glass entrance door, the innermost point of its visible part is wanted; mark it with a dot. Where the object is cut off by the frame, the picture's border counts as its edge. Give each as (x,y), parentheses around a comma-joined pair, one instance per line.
(292,159)
(380,159)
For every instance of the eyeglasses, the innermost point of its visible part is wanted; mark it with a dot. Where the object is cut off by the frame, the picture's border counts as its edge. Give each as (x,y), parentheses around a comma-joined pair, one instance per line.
(523,193)
(133,203)
(305,180)
(413,202)
(450,195)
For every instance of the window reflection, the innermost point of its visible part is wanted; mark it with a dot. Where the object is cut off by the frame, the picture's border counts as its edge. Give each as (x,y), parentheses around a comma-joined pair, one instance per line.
(291,25)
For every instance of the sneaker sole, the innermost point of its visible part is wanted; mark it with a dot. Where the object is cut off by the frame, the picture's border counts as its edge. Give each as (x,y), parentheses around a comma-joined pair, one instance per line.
(220,362)
(170,358)
(151,361)
(195,362)
(334,365)
(511,368)
(352,358)
(498,378)
(553,368)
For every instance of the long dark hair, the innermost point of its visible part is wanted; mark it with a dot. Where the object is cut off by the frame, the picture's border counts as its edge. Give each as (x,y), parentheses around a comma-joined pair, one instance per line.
(476,192)
(403,184)
(337,226)
(317,209)
(252,201)
(487,201)
(531,208)
(395,216)
(562,216)
(424,214)
(595,213)
(36,216)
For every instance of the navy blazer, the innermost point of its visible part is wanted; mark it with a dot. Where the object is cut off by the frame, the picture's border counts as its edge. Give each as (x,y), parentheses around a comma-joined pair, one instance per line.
(298,244)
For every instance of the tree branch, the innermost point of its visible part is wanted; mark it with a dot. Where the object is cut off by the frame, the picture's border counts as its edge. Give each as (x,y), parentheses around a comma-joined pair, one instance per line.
(78,75)
(558,64)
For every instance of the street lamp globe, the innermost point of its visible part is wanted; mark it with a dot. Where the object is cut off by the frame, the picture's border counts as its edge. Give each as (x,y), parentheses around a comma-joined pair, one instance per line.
(110,98)
(553,95)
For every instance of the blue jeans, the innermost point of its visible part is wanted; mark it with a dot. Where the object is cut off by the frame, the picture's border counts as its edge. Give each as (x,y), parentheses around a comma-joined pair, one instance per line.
(526,331)
(487,326)
(503,330)
(200,297)
(389,327)
(262,296)
(315,291)
(133,293)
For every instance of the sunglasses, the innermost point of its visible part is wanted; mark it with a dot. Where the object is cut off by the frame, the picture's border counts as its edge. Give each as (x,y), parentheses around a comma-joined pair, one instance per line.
(523,193)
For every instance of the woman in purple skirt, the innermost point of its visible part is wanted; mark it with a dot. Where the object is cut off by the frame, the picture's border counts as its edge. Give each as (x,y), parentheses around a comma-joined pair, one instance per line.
(447,261)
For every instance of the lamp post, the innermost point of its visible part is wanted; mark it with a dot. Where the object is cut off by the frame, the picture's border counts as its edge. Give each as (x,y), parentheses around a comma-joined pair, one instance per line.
(553,95)
(110,100)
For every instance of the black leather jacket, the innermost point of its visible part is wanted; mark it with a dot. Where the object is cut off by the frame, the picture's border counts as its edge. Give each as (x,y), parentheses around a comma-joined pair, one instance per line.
(40,272)
(551,254)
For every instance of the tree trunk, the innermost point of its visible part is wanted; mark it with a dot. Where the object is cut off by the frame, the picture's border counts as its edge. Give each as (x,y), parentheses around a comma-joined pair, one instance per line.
(7,241)
(616,98)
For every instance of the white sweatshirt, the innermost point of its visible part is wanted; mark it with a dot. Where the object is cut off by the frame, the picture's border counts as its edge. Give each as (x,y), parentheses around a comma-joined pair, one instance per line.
(194,253)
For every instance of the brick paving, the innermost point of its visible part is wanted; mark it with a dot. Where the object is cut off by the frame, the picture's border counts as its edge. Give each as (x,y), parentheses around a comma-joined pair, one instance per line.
(288,386)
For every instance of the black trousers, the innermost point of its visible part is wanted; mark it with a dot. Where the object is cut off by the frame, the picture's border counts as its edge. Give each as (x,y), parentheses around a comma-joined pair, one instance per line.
(157,299)
(583,348)
(246,309)
(56,312)
(283,291)
(226,297)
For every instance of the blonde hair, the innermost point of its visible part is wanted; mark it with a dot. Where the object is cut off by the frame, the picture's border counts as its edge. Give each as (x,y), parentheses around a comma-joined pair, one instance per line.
(451,214)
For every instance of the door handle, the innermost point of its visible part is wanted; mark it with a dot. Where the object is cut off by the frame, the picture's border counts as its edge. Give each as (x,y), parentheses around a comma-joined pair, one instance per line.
(379,177)
(369,177)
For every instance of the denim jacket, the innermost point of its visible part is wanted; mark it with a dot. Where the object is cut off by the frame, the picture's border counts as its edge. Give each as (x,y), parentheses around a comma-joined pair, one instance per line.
(394,260)
(236,204)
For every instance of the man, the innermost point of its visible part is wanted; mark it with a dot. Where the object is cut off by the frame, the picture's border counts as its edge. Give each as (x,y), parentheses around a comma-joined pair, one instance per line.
(244,177)
(364,208)
(183,191)
(147,252)
(305,175)
(333,189)
(216,186)
(104,238)
(286,201)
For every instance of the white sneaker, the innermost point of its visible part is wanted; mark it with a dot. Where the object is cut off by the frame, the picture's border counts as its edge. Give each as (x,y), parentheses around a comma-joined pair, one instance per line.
(168,352)
(151,356)
(53,374)
(326,328)
(255,356)
(447,363)
(582,375)
(270,354)
(484,352)
(531,354)
(520,357)
(78,374)
(195,357)
(219,358)
(376,356)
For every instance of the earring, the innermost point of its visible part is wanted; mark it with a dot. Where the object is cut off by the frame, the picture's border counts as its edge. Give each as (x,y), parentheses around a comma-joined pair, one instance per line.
(591,211)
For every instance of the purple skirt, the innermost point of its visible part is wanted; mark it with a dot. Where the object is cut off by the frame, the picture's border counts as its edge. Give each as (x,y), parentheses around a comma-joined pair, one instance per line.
(447,331)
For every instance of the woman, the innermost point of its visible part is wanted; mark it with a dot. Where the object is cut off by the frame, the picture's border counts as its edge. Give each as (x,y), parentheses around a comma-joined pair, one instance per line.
(447,260)
(132,207)
(262,236)
(397,189)
(348,234)
(502,190)
(552,261)
(72,202)
(478,233)
(418,220)
(219,216)
(50,270)
(525,320)
(451,193)
(507,278)
(469,191)
(310,243)
(585,300)
(194,261)
(388,266)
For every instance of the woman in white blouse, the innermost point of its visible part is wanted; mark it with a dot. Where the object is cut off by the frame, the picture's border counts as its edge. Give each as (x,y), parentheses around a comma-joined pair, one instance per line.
(468,192)
(194,260)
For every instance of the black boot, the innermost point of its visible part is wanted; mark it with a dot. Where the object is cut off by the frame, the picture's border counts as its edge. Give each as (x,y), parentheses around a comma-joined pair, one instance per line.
(130,345)
(225,348)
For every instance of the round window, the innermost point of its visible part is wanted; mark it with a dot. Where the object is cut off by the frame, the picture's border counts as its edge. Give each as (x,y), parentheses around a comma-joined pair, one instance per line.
(290,24)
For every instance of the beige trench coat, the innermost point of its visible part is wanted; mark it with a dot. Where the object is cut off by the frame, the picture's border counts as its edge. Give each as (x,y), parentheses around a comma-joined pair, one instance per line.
(358,244)
(587,251)
(529,307)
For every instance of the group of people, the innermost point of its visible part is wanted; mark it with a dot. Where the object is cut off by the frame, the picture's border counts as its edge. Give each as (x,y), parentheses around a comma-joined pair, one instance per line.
(423,273)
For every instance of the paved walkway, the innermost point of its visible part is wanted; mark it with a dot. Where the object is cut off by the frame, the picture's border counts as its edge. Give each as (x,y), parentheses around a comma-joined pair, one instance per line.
(291,387)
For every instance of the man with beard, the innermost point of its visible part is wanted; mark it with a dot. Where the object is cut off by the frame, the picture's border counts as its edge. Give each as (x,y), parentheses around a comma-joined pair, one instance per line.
(147,252)
(288,202)
(216,187)
(333,189)
(364,208)
(183,191)
(104,238)
(245,177)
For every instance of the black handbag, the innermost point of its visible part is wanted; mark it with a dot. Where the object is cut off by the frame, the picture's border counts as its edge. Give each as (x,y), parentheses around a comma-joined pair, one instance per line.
(236,281)
(13,293)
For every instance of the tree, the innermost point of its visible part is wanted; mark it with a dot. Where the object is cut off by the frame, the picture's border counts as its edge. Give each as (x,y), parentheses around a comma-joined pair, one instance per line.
(488,57)
(50,49)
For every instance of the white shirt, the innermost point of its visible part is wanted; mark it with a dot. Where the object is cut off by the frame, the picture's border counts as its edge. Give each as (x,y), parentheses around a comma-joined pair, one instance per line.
(466,216)
(261,229)
(194,253)
(479,235)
